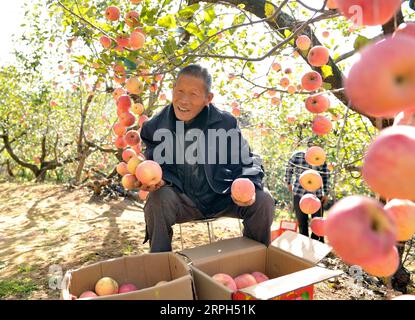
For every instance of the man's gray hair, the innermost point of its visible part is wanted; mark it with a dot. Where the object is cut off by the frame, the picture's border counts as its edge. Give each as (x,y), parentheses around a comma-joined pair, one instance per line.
(198,71)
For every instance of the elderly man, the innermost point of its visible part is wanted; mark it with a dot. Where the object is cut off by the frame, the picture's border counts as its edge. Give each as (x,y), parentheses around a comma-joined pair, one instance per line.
(197,170)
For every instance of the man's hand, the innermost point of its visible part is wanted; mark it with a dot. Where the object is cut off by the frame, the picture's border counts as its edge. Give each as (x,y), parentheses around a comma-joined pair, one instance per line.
(290,187)
(244,204)
(151,188)
(324,200)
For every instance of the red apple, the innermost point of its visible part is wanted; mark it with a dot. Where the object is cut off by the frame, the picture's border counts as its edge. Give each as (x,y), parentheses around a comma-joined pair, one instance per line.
(291,119)
(226,280)
(127,154)
(119,129)
(384,267)
(137,40)
(284,82)
(124,103)
(243,190)
(143,118)
(112,13)
(137,108)
(127,287)
(315,156)
(311,81)
(309,203)
(259,277)
(122,169)
(132,19)
(276,66)
(321,125)
(317,226)
(317,103)
(394,88)
(105,42)
(291,89)
(149,172)
(127,119)
(236,112)
(311,180)
(403,213)
(388,166)
(245,280)
(331,4)
(368,12)
(275,101)
(359,230)
(129,181)
(118,93)
(120,142)
(132,138)
(134,85)
(88,294)
(318,56)
(405,29)
(123,40)
(303,42)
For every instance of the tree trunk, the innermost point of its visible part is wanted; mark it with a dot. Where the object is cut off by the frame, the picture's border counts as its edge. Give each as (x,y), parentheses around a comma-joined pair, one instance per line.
(81,165)
(41,175)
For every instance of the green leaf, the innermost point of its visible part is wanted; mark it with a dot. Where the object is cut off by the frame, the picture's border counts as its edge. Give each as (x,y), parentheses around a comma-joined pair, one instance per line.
(188,12)
(361,42)
(193,45)
(80,59)
(192,28)
(234,47)
(327,86)
(170,45)
(129,64)
(251,66)
(287,33)
(168,21)
(209,15)
(327,71)
(211,32)
(240,18)
(269,10)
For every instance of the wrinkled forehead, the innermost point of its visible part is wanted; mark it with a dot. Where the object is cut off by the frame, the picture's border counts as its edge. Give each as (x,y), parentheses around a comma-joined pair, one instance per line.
(190,82)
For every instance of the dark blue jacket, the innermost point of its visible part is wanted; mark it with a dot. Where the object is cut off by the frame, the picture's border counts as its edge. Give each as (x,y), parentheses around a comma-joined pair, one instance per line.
(219,175)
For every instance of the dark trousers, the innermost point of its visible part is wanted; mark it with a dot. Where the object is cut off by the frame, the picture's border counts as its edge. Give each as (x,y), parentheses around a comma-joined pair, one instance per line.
(166,207)
(303,219)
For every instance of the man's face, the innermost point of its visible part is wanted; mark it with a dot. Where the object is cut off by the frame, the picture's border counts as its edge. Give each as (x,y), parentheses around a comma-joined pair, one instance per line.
(189,97)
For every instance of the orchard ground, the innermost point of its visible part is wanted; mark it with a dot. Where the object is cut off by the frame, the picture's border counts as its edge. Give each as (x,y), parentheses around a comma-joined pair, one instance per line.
(49,225)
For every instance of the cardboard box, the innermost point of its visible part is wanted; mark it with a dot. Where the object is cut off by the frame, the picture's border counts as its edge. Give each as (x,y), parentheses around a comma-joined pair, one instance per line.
(290,263)
(144,271)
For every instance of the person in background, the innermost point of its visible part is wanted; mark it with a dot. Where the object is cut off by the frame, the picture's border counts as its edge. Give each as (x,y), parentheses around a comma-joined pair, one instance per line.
(295,167)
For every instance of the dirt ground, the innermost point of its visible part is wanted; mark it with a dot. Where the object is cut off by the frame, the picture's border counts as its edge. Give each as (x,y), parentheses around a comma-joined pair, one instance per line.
(46,227)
